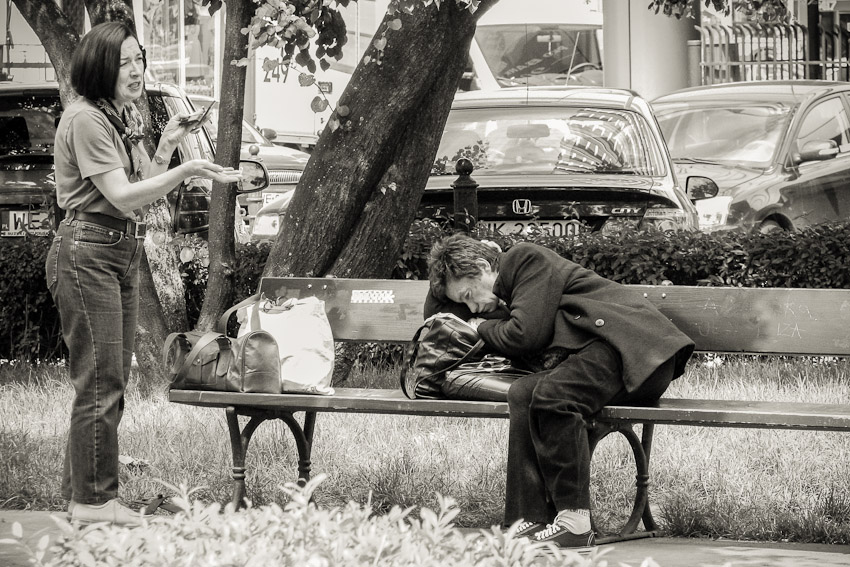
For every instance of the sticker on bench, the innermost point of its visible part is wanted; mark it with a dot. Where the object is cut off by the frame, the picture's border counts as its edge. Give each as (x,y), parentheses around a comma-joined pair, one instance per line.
(372,296)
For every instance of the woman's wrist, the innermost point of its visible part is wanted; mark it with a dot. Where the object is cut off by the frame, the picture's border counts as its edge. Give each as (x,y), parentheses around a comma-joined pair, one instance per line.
(163,153)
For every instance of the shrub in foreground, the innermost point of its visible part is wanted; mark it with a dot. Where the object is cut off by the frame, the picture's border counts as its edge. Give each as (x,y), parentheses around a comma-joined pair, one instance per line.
(299,534)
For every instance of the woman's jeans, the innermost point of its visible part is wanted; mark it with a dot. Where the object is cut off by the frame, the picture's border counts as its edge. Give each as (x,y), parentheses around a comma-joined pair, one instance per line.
(548,447)
(93,275)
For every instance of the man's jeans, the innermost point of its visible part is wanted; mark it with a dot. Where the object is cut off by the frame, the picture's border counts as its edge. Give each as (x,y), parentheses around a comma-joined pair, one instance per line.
(548,449)
(93,274)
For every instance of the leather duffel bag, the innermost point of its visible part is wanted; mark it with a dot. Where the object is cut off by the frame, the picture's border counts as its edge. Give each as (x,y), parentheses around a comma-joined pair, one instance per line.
(486,380)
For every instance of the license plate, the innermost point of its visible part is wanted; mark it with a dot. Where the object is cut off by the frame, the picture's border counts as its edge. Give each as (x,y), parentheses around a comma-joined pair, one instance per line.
(555,227)
(269,197)
(20,223)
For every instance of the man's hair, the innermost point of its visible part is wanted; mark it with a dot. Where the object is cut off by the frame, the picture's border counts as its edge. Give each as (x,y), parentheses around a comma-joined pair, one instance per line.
(97,60)
(455,257)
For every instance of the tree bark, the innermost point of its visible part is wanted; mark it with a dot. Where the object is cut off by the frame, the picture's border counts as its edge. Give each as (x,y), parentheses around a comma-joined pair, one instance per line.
(56,33)
(219,293)
(358,195)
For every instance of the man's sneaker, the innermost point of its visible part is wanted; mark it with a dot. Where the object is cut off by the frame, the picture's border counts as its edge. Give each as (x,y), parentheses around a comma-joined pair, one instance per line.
(563,538)
(528,529)
(112,511)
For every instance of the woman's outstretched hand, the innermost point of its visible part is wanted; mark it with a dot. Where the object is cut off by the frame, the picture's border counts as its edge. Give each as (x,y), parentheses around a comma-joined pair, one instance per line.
(209,170)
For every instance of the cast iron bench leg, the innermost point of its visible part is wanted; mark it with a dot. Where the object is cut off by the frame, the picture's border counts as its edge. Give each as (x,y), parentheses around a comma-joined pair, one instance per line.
(239,447)
(646,441)
(640,509)
(239,441)
(303,441)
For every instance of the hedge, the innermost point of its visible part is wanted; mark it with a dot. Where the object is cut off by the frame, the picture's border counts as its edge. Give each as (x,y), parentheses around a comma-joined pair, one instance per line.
(817,257)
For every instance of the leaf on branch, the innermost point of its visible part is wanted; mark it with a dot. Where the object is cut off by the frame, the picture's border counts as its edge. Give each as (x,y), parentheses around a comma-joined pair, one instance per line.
(395,24)
(303,58)
(343,110)
(311,66)
(306,79)
(333,124)
(318,104)
(380,43)
(324,64)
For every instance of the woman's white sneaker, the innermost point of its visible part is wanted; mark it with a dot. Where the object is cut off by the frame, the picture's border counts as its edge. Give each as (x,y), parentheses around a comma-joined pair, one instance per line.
(112,511)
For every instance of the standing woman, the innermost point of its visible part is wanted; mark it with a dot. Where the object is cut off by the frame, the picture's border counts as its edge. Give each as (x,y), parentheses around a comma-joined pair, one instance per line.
(104,180)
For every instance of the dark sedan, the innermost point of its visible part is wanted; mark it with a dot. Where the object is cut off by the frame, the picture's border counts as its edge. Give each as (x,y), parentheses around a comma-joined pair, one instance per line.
(565,160)
(779,151)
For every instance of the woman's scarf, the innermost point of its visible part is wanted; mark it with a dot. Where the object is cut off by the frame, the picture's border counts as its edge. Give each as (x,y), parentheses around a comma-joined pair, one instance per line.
(130,127)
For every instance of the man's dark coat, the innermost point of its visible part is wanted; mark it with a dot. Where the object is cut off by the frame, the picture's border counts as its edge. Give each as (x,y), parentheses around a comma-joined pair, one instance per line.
(554,302)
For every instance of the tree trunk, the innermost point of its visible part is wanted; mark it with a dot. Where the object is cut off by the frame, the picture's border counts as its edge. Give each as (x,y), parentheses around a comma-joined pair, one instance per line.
(219,293)
(358,195)
(56,33)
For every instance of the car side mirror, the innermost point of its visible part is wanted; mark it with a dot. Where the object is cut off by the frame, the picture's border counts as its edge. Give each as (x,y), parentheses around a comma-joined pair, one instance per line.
(269,133)
(698,187)
(255,176)
(816,150)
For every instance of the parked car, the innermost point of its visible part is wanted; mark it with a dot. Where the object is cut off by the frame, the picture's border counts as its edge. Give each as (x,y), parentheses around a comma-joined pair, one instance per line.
(566,160)
(285,164)
(29,114)
(779,151)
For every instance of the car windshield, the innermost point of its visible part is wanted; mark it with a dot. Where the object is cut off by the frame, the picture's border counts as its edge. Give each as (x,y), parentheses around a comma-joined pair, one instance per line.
(541,52)
(250,135)
(28,123)
(746,133)
(549,140)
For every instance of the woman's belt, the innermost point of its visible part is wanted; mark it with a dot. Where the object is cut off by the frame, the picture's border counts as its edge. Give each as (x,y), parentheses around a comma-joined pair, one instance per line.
(127,226)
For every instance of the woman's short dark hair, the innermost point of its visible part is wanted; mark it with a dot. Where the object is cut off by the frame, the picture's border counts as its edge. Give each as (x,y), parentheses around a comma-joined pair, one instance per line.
(457,257)
(97,60)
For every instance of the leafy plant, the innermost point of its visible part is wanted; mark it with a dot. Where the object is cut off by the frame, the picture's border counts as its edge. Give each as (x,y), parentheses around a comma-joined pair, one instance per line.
(299,533)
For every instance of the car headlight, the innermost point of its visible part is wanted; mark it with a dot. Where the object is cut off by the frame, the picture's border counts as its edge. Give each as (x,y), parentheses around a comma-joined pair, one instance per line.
(266,226)
(713,212)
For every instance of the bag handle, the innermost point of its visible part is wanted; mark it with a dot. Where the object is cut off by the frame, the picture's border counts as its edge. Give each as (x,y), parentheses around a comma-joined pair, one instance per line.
(221,327)
(413,347)
(202,342)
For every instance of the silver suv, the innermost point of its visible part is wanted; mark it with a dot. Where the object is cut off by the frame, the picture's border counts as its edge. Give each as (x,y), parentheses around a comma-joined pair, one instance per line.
(29,114)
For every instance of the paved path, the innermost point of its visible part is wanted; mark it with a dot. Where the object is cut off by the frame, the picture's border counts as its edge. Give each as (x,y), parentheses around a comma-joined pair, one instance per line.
(667,552)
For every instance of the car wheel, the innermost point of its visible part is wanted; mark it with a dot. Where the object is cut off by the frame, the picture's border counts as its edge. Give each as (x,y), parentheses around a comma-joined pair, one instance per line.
(769,226)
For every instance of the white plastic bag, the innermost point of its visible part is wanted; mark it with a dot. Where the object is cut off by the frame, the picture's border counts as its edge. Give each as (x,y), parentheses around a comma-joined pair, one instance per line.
(304,338)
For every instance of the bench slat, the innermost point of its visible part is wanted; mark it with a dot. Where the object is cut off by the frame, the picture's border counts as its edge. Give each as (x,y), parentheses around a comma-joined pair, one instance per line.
(735,413)
(718,319)
(717,413)
(355,400)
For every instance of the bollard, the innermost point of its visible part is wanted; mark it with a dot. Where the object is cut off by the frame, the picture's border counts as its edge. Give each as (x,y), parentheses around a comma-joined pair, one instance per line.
(465,197)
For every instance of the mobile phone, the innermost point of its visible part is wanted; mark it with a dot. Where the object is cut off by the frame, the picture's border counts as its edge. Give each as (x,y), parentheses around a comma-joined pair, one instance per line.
(198,117)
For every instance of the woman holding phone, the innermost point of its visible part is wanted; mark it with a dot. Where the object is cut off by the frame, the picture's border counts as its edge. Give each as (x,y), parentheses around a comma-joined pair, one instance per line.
(104,180)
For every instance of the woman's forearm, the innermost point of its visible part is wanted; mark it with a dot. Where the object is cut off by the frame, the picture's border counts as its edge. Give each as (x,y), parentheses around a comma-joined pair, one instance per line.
(126,196)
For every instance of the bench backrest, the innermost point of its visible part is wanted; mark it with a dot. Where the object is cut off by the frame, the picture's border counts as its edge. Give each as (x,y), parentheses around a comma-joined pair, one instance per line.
(718,319)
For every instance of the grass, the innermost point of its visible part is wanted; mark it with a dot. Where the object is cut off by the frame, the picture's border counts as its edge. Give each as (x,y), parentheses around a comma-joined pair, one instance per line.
(710,482)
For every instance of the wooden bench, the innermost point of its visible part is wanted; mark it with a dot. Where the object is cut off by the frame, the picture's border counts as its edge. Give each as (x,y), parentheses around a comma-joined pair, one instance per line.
(724,320)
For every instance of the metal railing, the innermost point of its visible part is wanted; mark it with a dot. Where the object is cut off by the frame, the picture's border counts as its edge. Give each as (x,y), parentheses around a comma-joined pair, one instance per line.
(756,52)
